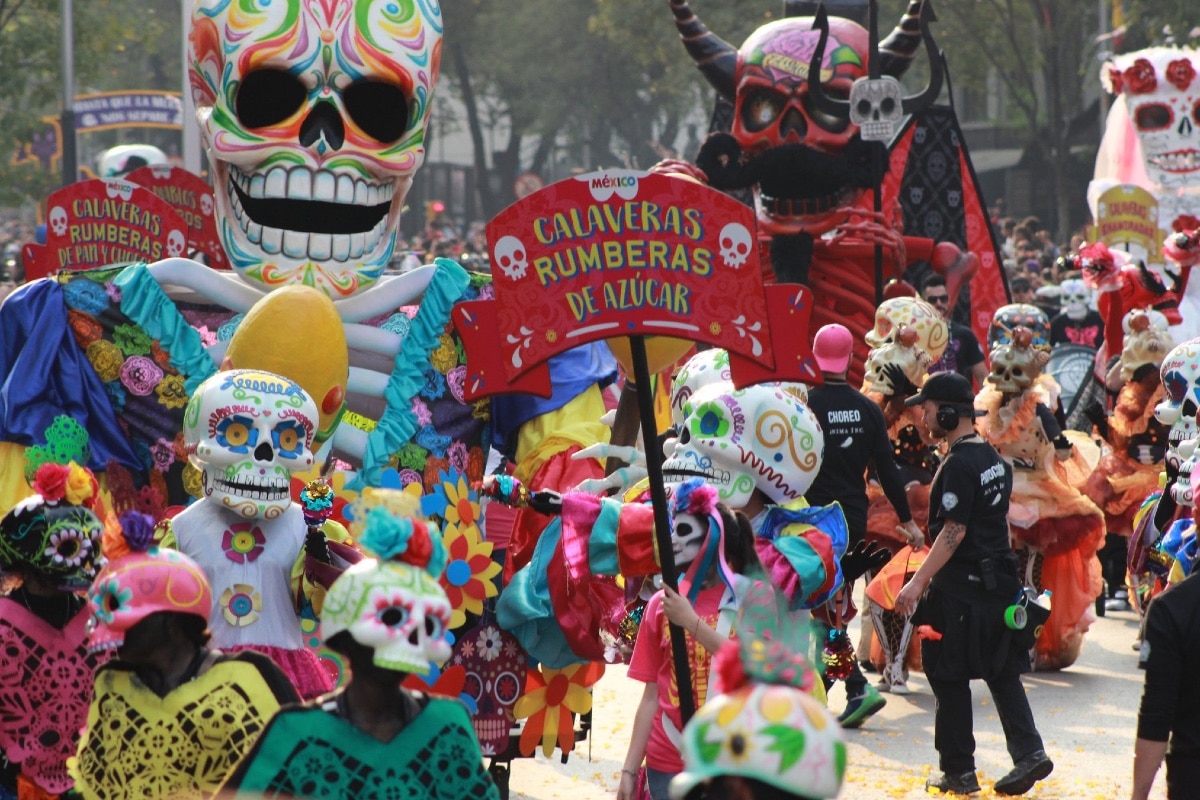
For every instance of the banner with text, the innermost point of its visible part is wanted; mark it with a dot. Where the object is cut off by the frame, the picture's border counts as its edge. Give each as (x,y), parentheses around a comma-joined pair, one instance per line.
(99,222)
(192,199)
(619,253)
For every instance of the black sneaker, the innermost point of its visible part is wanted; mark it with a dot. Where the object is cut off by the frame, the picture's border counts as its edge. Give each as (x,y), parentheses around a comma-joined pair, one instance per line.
(1028,771)
(860,707)
(963,783)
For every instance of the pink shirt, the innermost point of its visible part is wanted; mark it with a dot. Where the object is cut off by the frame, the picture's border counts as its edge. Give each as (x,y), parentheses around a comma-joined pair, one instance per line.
(652,662)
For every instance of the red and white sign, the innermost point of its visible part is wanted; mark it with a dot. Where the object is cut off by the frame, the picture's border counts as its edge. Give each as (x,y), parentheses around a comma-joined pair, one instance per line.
(622,253)
(192,198)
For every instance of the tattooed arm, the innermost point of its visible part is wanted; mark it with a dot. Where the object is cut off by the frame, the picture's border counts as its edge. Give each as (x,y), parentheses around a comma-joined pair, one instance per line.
(943,548)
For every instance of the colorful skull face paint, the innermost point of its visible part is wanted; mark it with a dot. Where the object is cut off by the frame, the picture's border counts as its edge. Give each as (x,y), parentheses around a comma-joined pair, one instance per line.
(1163,94)
(703,369)
(1180,372)
(58,540)
(687,538)
(138,584)
(394,605)
(314,117)
(247,431)
(1075,297)
(932,332)
(760,437)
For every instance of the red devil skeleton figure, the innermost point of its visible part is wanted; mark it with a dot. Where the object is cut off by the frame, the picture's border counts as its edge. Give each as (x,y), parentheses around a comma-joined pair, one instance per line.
(797,145)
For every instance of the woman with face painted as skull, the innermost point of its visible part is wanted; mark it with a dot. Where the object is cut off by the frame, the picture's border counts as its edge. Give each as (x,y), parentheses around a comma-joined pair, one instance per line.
(373,738)
(713,548)
(49,547)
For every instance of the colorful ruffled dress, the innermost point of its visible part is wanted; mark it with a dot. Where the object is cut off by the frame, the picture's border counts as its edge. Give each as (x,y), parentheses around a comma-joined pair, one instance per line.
(181,746)
(260,576)
(311,751)
(46,679)
(1128,473)
(1048,514)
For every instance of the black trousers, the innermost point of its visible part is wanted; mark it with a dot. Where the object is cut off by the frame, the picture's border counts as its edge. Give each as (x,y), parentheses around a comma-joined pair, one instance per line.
(954,735)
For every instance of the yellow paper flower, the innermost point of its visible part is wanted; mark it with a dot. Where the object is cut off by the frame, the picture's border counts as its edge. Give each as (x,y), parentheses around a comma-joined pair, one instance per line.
(461,509)
(470,573)
(80,485)
(551,697)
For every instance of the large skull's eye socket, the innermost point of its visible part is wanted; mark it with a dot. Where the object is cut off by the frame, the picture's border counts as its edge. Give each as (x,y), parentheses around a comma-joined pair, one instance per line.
(268,97)
(379,109)
(288,438)
(433,627)
(1153,116)
(508,688)
(393,616)
(830,122)
(237,433)
(473,685)
(760,109)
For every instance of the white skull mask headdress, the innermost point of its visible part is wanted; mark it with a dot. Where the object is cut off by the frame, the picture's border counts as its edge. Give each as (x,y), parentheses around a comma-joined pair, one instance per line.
(247,431)
(1074,297)
(314,117)
(394,603)
(761,437)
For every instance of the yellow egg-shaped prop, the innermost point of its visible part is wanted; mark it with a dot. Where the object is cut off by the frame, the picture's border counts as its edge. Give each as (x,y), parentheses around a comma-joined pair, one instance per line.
(295,331)
(661,352)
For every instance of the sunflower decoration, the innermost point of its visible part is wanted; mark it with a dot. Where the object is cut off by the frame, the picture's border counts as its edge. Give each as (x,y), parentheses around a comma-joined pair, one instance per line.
(552,698)
(470,576)
(454,501)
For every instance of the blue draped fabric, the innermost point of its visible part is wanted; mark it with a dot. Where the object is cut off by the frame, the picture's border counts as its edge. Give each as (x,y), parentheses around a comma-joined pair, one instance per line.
(46,374)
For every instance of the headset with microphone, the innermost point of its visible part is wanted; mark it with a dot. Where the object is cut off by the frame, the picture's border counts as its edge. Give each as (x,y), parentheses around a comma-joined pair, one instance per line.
(948,416)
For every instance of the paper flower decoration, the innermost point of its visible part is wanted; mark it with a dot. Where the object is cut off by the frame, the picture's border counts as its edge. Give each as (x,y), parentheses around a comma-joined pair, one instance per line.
(552,697)
(453,500)
(342,497)
(241,605)
(470,573)
(243,542)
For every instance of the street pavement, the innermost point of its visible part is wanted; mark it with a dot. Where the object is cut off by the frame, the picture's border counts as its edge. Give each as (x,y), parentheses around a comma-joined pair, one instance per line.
(1087,715)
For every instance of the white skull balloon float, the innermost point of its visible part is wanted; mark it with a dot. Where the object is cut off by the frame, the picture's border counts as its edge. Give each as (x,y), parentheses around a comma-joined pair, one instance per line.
(314,116)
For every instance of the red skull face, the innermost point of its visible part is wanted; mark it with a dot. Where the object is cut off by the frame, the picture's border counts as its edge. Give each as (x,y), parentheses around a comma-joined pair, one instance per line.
(773,106)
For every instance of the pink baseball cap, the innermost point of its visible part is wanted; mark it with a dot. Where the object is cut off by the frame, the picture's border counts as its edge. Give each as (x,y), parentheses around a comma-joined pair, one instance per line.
(832,347)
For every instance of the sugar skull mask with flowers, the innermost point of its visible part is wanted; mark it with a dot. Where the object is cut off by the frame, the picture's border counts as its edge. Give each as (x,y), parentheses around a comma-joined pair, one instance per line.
(314,117)
(247,431)
(1162,90)
(55,533)
(761,437)
(393,603)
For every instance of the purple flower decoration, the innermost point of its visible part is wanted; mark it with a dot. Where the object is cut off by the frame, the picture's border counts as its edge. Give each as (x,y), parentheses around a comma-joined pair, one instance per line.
(138,529)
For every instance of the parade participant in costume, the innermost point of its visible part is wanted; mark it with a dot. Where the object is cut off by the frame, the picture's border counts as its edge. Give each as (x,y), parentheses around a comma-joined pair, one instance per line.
(49,548)
(247,431)
(170,716)
(373,738)
(909,336)
(1051,520)
(1077,323)
(763,736)
(556,607)
(1129,471)
(971,578)
(855,429)
(712,548)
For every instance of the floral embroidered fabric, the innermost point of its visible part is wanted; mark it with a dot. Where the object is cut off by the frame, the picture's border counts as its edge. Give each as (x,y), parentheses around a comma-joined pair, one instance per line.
(45,685)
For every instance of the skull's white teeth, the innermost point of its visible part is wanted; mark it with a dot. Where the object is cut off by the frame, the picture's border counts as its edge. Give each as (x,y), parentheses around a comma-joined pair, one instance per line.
(1178,161)
(301,244)
(302,183)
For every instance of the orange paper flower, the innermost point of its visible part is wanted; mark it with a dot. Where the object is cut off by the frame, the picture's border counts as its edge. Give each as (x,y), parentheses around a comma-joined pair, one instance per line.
(552,697)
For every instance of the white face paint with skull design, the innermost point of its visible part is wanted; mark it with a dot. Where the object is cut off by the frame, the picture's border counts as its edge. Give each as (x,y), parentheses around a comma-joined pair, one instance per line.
(761,437)
(314,117)
(247,431)
(399,610)
(687,539)
(1075,298)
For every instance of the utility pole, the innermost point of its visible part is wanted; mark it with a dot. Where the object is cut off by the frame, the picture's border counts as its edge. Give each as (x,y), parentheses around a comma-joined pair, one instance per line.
(70,157)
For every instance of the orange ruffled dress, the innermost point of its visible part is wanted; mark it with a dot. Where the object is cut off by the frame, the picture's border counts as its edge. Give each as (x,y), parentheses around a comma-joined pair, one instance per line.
(1049,516)
(1120,483)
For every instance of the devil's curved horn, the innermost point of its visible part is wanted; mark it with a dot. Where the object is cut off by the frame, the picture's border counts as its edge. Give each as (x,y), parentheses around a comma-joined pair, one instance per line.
(937,65)
(827,104)
(716,58)
(899,49)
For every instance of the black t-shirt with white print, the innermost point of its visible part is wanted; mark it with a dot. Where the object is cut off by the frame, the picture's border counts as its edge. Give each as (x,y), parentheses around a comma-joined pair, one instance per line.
(972,487)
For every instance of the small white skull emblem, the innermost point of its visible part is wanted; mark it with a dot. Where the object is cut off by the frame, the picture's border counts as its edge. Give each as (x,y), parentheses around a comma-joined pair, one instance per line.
(58,220)
(735,244)
(510,257)
(876,107)
(176,243)
(206,205)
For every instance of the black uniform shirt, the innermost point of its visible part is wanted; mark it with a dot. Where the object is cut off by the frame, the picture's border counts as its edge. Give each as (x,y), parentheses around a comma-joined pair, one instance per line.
(972,487)
(1171,657)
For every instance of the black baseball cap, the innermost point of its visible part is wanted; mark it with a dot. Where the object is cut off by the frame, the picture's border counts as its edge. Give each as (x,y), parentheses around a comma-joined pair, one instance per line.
(945,387)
